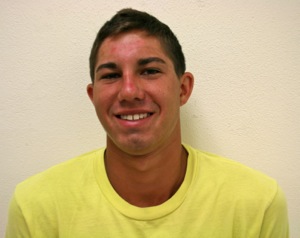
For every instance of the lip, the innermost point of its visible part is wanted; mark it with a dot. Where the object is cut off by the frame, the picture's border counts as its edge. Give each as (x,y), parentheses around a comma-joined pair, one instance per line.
(118,113)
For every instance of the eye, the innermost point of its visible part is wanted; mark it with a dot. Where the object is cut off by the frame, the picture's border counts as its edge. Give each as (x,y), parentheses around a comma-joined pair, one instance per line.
(110,76)
(150,71)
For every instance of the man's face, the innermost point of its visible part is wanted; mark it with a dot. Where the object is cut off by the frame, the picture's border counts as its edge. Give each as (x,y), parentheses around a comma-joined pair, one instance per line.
(137,94)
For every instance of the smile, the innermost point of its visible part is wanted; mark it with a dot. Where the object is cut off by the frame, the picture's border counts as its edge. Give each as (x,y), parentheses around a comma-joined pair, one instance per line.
(134,117)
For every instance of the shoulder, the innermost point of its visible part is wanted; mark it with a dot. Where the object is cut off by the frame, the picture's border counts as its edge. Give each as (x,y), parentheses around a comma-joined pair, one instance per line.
(58,177)
(233,177)
(254,198)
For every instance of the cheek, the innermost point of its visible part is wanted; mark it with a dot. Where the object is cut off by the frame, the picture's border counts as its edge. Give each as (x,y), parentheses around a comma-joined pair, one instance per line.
(102,95)
(100,101)
(173,94)
(170,102)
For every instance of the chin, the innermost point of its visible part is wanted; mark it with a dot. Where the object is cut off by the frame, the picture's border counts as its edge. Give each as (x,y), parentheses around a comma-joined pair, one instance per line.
(136,146)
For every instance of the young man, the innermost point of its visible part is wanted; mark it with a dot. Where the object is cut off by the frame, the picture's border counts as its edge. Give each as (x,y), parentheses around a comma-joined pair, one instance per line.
(145,182)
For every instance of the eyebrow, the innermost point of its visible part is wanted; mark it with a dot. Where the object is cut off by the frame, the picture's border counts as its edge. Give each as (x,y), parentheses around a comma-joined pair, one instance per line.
(145,61)
(141,62)
(109,65)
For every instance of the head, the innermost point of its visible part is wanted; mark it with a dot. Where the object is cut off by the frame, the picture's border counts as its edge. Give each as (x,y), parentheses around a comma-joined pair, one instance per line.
(138,84)
(128,20)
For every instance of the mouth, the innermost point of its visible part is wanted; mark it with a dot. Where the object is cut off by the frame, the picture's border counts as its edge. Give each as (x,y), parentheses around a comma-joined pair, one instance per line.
(134,117)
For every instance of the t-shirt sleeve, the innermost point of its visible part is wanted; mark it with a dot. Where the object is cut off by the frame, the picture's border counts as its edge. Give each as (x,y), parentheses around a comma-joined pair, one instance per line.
(275,223)
(16,226)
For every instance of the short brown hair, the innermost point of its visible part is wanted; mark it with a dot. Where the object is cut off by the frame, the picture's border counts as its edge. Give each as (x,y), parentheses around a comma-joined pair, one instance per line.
(128,20)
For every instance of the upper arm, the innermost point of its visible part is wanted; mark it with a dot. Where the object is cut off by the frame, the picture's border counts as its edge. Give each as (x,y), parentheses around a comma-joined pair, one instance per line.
(16,226)
(275,223)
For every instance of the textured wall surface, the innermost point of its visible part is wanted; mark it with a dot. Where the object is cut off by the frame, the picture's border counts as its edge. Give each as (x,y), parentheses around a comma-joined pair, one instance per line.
(245,56)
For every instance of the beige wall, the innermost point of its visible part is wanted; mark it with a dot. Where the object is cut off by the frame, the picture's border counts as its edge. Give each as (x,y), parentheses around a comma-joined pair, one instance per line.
(245,56)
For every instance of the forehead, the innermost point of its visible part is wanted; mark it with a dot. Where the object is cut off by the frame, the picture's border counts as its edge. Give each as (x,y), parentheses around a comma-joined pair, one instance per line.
(133,43)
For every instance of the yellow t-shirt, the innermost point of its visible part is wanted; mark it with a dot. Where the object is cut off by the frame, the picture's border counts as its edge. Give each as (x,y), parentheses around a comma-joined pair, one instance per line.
(218,198)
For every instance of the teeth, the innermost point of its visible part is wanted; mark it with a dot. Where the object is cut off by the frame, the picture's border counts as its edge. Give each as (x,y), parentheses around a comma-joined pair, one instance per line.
(134,117)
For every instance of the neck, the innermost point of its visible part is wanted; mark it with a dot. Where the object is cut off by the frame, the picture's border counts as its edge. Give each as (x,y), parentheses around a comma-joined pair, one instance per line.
(147,180)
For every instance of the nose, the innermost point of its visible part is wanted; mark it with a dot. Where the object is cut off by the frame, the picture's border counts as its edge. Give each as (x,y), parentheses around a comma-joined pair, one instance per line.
(131,89)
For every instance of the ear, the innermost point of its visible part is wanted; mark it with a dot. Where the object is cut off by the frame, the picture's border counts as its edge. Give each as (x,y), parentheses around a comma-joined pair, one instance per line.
(186,85)
(90,91)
